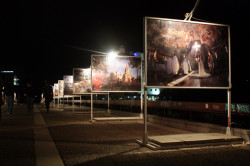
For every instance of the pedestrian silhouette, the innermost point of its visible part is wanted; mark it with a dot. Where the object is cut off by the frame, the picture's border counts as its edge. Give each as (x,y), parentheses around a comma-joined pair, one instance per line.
(1,98)
(29,94)
(48,95)
(9,93)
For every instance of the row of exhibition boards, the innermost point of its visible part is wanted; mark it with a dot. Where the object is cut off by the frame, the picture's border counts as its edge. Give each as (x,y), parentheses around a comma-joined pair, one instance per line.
(116,74)
(178,54)
(121,74)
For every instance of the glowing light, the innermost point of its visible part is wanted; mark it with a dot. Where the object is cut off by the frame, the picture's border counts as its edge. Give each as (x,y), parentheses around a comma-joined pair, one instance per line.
(111,56)
(153,91)
(135,54)
(196,46)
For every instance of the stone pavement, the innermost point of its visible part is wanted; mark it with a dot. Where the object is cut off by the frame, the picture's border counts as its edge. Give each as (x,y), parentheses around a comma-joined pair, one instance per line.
(67,139)
(17,137)
(45,148)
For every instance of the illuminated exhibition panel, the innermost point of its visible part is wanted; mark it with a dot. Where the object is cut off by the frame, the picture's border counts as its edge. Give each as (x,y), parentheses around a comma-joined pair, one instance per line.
(187,54)
(68,84)
(82,81)
(60,88)
(116,74)
(55,90)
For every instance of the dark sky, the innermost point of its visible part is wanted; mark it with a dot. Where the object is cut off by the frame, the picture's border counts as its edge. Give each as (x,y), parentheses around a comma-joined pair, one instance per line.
(35,32)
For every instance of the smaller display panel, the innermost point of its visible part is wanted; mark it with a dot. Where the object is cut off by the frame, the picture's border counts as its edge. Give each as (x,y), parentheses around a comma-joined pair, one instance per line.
(82,81)
(116,74)
(68,85)
(60,87)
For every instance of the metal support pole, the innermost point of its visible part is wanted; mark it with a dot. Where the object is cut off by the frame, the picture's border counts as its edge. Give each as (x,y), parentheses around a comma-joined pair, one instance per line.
(59,100)
(108,103)
(141,115)
(80,101)
(73,105)
(145,132)
(54,101)
(91,112)
(229,112)
(63,101)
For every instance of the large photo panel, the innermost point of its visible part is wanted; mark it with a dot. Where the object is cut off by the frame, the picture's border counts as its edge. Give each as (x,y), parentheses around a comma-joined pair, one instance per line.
(68,84)
(187,54)
(118,74)
(82,80)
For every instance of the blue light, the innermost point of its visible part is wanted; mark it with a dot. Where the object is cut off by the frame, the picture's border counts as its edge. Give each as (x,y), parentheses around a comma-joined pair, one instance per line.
(135,54)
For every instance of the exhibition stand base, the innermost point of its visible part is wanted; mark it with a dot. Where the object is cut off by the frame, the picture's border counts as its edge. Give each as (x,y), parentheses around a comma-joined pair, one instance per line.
(190,140)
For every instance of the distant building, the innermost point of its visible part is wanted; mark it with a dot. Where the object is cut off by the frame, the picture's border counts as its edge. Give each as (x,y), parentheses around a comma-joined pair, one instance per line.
(122,50)
(118,76)
(127,76)
(153,91)
(153,94)
(7,76)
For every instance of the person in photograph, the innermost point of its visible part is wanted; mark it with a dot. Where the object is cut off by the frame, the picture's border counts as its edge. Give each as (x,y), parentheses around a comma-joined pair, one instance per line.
(211,63)
(185,65)
(48,95)
(175,65)
(169,65)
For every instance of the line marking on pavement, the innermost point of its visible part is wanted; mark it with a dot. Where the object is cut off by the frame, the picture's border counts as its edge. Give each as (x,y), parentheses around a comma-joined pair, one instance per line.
(45,148)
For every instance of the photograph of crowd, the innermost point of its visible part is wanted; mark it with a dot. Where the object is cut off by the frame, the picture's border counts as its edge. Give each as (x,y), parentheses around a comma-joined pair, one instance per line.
(186,54)
(122,73)
(82,80)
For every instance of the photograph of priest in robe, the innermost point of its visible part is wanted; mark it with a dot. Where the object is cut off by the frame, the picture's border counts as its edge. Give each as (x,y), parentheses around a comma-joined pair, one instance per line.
(186,54)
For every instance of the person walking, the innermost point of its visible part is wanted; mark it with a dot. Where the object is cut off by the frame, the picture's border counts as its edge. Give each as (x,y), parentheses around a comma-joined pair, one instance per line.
(1,100)
(29,94)
(9,93)
(48,95)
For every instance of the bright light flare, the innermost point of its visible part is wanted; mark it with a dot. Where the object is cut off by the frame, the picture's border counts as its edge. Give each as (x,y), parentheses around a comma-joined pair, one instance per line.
(196,46)
(111,56)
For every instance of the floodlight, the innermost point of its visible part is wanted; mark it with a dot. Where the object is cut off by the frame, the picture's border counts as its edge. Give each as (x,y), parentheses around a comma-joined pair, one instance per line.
(111,56)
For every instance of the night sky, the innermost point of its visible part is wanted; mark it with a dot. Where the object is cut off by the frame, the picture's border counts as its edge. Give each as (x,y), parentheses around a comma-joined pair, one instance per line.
(36,32)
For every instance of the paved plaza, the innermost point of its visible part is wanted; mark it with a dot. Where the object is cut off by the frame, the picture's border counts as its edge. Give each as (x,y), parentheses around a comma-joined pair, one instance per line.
(61,138)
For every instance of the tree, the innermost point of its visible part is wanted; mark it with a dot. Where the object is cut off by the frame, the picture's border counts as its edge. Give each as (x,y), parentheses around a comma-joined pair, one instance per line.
(135,63)
(112,76)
